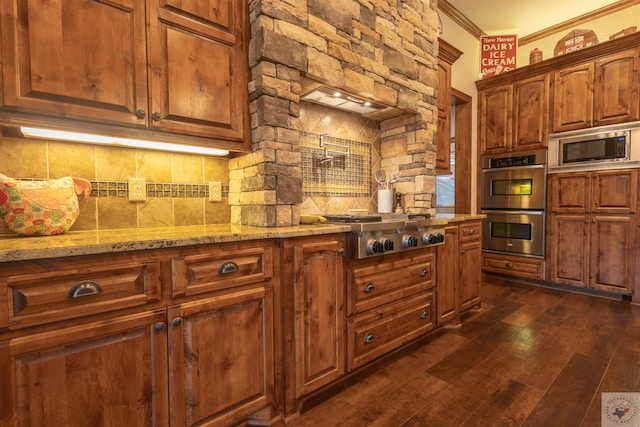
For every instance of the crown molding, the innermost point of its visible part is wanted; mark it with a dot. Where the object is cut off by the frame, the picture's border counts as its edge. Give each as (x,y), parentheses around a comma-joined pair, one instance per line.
(458,17)
(572,23)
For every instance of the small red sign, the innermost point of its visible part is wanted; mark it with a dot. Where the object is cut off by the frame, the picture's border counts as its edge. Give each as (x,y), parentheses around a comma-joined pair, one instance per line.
(498,55)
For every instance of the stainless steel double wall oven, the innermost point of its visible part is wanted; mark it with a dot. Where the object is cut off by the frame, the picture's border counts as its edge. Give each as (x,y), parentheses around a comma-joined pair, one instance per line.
(513,196)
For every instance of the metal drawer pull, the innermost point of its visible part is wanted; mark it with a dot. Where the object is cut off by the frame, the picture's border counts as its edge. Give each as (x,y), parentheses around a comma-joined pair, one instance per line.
(369,287)
(424,272)
(83,289)
(509,265)
(472,230)
(424,314)
(369,338)
(228,267)
(159,327)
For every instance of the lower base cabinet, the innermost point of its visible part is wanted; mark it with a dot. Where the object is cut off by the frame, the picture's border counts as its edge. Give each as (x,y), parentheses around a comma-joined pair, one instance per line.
(469,261)
(513,265)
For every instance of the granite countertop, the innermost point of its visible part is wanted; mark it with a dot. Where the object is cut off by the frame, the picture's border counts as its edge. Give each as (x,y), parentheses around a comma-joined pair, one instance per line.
(74,243)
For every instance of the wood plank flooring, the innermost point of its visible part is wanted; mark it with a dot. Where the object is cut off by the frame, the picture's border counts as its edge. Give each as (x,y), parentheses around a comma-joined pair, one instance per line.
(531,356)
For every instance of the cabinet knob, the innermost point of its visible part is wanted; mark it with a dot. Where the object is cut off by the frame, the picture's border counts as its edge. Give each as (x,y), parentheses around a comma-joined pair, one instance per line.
(156,116)
(341,251)
(177,321)
(369,287)
(424,272)
(593,221)
(159,327)
(140,113)
(509,265)
(424,314)
(369,338)
(472,230)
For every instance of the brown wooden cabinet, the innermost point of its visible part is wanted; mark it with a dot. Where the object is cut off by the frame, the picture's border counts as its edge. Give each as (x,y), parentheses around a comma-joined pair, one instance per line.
(447,55)
(592,228)
(596,93)
(314,319)
(470,260)
(495,119)
(105,63)
(447,281)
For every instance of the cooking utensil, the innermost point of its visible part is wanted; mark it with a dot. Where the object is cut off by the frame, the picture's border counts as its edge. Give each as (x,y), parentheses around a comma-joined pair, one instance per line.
(381,178)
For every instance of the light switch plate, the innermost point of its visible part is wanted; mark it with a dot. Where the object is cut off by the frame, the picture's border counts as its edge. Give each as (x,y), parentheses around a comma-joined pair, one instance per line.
(215,191)
(137,189)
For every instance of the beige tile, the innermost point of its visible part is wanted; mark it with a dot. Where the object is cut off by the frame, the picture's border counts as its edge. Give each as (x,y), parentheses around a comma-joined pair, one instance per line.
(216,170)
(156,212)
(71,159)
(187,168)
(116,213)
(87,219)
(217,213)
(115,164)
(23,158)
(154,166)
(188,211)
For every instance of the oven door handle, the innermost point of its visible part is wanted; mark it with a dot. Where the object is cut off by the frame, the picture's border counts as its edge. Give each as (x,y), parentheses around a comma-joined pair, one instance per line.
(510,168)
(505,212)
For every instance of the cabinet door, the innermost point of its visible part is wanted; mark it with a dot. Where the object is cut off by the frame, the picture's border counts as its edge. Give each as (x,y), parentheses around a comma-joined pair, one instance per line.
(319,287)
(221,358)
(568,239)
(570,192)
(531,112)
(103,373)
(614,191)
(443,147)
(573,97)
(199,67)
(81,59)
(495,117)
(470,273)
(447,278)
(612,244)
(615,97)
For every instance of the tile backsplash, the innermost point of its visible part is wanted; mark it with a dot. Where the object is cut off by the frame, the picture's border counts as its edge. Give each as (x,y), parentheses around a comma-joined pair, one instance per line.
(176,184)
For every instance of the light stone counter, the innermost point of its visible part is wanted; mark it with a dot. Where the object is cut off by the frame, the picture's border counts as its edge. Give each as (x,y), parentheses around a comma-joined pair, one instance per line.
(459,217)
(74,243)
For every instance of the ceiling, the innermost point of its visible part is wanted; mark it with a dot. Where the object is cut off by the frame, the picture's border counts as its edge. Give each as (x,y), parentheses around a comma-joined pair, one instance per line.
(523,17)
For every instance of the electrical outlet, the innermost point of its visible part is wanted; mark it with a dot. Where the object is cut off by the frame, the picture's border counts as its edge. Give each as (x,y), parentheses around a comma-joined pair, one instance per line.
(215,191)
(137,189)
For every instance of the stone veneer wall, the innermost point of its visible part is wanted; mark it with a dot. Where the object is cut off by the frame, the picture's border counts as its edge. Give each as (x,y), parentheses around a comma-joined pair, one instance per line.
(385,50)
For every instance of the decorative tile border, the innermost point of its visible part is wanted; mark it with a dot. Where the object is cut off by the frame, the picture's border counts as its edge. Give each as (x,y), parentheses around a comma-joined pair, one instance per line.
(343,176)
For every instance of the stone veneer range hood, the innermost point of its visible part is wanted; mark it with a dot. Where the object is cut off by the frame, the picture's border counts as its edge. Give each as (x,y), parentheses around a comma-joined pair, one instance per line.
(386,51)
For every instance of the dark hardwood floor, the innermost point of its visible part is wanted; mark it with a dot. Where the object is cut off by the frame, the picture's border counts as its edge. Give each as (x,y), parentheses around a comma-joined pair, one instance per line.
(531,356)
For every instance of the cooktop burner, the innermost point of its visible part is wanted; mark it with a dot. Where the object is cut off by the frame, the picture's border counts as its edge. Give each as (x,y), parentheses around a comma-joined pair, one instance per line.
(350,219)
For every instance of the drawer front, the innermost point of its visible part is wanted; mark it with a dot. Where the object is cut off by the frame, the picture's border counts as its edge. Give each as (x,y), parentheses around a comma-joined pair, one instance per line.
(373,286)
(374,334)
(220,269)
(470,231)
(68,290)
(513,266)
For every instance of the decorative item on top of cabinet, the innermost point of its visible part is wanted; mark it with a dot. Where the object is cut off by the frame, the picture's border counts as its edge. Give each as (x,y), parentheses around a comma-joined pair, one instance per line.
(447,55)
(313,288)
(592,228)
(596,93)
(96,61)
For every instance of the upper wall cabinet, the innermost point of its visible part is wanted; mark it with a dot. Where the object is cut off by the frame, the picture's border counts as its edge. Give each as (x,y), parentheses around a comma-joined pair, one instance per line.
(447,55)
(596,93)
(95,61)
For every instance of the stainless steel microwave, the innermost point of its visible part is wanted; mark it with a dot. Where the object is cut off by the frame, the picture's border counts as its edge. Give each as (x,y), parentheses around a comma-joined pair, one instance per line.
(604,147)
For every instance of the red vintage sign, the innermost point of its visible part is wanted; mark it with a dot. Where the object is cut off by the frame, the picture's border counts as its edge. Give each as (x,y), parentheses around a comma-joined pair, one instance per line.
(498,54)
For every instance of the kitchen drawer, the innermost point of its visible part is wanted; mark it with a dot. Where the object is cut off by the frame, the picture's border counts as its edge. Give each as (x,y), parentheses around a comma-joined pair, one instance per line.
(220,267)
(374,334)
(52,290)
(470,231)
(512,265)
(371,286)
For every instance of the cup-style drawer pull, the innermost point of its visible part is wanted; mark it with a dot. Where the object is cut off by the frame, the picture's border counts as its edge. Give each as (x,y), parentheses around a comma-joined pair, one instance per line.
(83,289)
(424,272)
(424,314)
(228,267)
(369,338)
(369,287)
